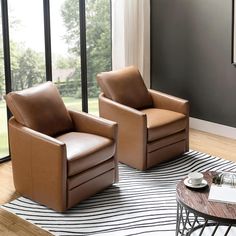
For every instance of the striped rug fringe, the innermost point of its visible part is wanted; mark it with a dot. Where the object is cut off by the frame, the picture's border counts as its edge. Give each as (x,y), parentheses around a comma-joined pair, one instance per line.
(142,203)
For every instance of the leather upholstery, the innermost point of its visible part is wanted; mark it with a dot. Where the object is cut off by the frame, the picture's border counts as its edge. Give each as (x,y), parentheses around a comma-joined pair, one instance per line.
(120,86)
(39,166)
(172,103)
(166,153)
(40,108)
(90,188)
(60,171)
(132,135)
(166,141)
(162,123)
(148,134)
(83,177)
(85,150)
(87,123)
(169,102)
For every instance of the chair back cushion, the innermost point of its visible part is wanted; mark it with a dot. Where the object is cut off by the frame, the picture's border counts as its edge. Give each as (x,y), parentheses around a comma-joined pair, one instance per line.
(125,86)
(40,108)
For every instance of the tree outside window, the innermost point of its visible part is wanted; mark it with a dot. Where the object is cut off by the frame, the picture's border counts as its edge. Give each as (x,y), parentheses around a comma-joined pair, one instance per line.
(28,60)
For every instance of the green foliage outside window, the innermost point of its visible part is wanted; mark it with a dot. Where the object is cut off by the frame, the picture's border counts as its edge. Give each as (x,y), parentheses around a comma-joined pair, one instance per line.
(28,66)
(98,37)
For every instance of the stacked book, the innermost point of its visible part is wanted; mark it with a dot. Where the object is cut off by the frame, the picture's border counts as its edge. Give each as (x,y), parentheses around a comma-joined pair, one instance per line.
(223,188)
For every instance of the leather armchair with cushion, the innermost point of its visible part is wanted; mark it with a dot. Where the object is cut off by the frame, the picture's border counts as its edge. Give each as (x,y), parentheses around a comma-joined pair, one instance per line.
(153,126)
(59,157)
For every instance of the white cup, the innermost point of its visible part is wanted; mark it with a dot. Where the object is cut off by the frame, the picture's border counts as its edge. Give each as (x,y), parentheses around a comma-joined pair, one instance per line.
(195,178)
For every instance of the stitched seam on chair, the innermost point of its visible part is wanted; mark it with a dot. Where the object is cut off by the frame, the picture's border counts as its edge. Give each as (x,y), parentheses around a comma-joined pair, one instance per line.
(168,145)
(92,179)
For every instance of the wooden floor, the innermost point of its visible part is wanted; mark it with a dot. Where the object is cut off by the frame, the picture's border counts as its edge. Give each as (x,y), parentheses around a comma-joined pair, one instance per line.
(11,225)
(213,144)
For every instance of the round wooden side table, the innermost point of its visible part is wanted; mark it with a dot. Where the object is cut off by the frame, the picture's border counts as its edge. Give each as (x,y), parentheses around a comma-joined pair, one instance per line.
(196,215)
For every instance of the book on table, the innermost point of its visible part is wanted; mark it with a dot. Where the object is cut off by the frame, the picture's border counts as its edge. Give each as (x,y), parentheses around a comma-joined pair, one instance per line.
(223,188)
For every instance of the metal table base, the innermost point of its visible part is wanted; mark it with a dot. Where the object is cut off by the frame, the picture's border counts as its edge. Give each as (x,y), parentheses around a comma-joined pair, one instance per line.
(188,222)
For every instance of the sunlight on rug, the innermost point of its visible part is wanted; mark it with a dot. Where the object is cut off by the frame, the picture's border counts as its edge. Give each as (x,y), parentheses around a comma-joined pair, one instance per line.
(142,203)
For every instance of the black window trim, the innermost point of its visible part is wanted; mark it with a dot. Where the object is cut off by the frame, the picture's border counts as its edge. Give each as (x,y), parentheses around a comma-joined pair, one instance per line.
(48,54)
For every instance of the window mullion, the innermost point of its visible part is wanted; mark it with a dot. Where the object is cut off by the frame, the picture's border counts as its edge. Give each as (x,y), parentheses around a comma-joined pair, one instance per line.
(83,55)
(47,38)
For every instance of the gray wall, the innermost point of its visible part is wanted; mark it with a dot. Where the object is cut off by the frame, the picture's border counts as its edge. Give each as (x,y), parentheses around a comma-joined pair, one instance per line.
(191,56)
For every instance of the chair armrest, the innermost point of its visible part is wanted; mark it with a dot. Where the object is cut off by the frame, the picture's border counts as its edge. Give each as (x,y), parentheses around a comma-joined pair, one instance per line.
(169,102)
(132,130)
(84,122)
(39,165)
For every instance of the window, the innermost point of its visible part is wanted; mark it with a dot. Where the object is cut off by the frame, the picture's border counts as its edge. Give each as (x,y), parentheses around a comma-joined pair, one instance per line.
(26,43)
(3,130)
(98,46)
(3,110)
(33,26)
(65,41)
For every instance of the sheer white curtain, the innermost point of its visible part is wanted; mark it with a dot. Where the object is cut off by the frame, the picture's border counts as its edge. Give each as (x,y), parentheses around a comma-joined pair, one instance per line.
(131,35)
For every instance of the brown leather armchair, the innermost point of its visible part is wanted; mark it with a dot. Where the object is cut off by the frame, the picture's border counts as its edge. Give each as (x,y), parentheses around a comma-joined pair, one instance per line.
(153,126)
(59,157)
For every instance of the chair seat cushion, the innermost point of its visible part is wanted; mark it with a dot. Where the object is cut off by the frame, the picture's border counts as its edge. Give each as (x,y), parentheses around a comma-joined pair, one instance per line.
(161,123)
(86,150)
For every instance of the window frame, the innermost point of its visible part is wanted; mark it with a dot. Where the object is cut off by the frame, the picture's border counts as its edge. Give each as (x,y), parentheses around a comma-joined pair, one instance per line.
(48,54)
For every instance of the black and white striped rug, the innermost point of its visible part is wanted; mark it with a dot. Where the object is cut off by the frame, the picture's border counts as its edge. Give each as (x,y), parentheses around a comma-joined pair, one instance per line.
(142,203)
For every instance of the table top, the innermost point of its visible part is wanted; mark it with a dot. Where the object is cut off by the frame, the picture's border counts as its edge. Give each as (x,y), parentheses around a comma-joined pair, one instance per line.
(196,201)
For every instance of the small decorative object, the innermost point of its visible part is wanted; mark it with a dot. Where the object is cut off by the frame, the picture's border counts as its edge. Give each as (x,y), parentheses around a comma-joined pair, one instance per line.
(223,188)
(225,178)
